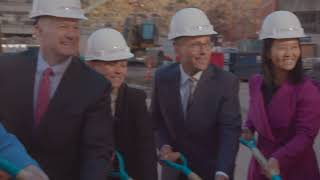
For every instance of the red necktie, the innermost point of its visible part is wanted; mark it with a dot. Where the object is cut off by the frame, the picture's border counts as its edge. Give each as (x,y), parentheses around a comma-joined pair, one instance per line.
(43,97)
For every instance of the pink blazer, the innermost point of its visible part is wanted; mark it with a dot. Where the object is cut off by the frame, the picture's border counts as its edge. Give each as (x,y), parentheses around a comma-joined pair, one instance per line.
(287,128)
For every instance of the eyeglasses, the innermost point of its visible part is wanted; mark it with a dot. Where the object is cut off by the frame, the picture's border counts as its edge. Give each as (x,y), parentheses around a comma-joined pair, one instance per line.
(198,46)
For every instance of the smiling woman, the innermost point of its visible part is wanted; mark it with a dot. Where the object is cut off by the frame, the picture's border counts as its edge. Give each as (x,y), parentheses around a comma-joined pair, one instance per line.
(283,104)
(114,71)
(282,60)
(285,54)
(108,54)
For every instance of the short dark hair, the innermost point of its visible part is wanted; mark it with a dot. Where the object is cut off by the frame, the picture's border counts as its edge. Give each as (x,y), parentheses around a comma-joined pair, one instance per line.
(177,39)
(295,75)
(35,20)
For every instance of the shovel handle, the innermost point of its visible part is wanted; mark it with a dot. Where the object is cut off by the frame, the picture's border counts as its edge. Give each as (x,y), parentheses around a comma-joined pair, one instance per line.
(122,174)
(8,167)
(183,167)
(251,144)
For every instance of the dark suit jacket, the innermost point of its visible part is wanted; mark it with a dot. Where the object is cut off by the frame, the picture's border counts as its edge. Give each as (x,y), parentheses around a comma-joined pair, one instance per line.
(208,137)
(74,138)
(134,135)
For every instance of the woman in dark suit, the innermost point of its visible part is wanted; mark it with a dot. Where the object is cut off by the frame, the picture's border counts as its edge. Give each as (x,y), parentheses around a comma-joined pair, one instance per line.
(107,53)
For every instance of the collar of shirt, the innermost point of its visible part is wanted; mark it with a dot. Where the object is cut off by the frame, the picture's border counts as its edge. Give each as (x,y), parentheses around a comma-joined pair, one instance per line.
(184,76)
(57,69)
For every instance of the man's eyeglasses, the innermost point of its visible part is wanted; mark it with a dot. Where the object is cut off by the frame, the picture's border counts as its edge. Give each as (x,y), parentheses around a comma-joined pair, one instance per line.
(199,46)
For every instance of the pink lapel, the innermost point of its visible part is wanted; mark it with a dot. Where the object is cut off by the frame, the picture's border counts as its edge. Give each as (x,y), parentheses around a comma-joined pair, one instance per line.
(257,111)
(282,106)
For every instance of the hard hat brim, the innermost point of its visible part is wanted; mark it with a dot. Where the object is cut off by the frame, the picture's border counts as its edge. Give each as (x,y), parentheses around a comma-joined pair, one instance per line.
(71,16)
(208,33)
(114,57)
(282,36)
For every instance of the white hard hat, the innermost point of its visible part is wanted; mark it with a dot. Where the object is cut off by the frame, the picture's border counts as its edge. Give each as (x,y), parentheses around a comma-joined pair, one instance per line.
(281,25)
(57,8)
(190,22)
(107,45)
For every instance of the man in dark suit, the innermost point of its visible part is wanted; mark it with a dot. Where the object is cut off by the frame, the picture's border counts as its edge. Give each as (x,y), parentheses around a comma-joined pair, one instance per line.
(195,105)
(57,106)
(134,137)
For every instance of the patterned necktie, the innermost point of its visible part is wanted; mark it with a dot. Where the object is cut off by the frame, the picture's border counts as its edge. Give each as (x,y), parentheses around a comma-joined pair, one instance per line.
(43,97)
(188,95)
(192,87)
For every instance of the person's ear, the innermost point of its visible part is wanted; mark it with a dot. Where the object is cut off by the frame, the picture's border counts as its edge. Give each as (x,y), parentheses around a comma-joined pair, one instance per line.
(89,63)
(36,30)
(177,48)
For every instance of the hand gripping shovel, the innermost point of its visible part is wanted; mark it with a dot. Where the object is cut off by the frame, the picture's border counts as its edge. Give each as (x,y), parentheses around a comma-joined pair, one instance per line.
(183,167)
(121,173)
(251,144)
(8,167)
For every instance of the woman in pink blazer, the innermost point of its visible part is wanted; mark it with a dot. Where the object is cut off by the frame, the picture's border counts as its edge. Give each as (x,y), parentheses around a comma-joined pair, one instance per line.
(284,104)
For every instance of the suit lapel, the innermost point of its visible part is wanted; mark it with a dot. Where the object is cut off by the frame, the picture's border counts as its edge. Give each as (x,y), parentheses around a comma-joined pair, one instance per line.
(257,110)
(26,82)
(63,94)
(121,105)
(201,97)
(175,96)
(284,95)
(173,101)
(122,123)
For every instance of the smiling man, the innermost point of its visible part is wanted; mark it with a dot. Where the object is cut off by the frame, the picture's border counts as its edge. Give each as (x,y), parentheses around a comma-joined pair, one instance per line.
(57,106)
(195,105)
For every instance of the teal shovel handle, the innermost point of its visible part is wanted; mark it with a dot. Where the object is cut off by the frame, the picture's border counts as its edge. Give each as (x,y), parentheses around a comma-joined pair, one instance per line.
(183,167)
(122,174)
(251,144)
(8,167)
(275,176)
